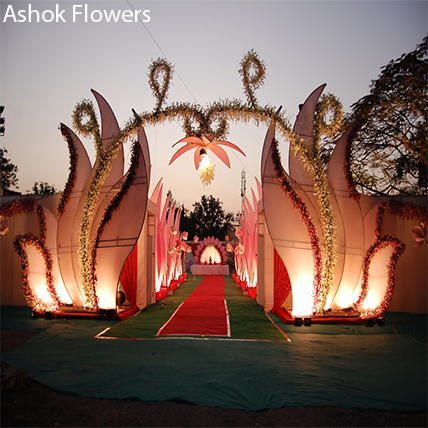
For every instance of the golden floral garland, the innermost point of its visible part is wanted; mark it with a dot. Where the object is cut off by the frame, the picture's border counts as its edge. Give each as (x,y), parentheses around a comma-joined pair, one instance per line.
(21,241)
(327,103)
(158,67)
(251,61)
(85,109)
(72,176)
(311,161)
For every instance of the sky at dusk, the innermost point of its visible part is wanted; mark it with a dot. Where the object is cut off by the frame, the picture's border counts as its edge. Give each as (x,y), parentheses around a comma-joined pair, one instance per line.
(46,68)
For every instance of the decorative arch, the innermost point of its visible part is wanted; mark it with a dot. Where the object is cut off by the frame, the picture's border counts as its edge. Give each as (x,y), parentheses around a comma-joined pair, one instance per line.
(210,248)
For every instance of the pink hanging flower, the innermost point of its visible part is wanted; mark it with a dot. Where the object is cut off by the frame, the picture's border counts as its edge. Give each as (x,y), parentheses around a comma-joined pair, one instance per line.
(419,235)
(4,227)
(201,145)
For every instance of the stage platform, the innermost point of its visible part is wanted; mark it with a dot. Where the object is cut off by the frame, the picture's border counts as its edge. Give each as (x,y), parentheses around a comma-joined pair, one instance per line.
(209,269)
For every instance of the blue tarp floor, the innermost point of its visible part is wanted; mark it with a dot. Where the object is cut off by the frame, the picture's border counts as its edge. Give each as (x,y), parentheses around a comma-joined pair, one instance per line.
(379,367)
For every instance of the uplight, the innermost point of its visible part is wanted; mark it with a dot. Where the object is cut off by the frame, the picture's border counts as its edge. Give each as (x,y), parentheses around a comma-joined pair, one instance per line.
(302,295)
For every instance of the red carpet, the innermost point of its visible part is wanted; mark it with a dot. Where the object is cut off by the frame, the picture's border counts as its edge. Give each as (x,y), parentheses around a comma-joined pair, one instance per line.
(203,313)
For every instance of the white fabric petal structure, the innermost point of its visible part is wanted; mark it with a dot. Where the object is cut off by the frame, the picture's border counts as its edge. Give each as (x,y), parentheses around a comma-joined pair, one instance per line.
(120,232)
(288,232)
(290,205)
(351,228)
(68,225)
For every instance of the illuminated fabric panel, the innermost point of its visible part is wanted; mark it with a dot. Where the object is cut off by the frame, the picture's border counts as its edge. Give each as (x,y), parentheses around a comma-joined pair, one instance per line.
(282,284)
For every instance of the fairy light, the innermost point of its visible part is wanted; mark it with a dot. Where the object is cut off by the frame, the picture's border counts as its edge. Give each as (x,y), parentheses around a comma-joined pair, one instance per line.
(206,169)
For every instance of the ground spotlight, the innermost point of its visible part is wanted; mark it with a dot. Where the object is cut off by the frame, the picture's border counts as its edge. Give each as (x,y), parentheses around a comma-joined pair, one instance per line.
(108,313)
(307,322)
(370,322)
(380,321)
(298,321)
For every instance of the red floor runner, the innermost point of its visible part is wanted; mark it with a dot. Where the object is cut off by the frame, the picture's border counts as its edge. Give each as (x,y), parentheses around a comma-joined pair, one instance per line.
(203,313)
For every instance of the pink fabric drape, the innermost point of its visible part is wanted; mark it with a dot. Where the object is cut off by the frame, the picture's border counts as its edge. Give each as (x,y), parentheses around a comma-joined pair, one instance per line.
(282,284)
(128,277)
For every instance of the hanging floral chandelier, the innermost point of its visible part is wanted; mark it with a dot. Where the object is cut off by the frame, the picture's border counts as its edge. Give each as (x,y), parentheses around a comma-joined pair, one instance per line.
(203,163)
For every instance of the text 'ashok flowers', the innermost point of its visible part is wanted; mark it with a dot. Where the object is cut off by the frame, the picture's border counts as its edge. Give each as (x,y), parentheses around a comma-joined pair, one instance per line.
(78,13)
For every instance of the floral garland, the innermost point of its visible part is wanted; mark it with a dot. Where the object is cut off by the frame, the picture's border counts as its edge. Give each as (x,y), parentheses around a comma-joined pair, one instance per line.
(355,196)
(301,207)
(42,223)
(327,103)
(380,244)
(329,230)
(156,68)
(104,161)
(113,206)
(312,163)
(379,220)
(84,233)
(33,301)
(27,205)
(86,109)
(252,61)
(72,177)
(406,211)
(20,206)
(19,243)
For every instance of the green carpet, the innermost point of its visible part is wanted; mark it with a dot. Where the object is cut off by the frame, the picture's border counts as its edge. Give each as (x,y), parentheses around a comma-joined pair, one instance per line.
(147,323)
(247,319)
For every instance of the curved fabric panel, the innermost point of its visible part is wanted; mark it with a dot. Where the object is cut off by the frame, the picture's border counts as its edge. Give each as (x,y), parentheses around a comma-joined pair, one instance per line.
(69,223)
(120,236)
(128,276)
(351,246)
(156,191)
(51,243)
(288,232)
(304,126)
(109,130)
(282,284)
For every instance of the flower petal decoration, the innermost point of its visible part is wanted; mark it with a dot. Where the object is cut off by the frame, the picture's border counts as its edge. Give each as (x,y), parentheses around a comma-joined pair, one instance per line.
(4,228)
(419,234)
(181,151)
(201,145)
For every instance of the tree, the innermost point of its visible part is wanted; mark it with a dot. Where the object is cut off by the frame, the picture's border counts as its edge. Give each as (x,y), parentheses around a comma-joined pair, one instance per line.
(8,173)
(43,188)
(389,153)
(208,218)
